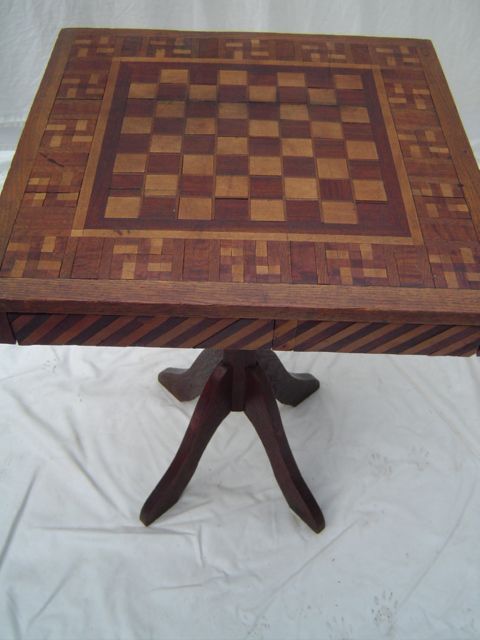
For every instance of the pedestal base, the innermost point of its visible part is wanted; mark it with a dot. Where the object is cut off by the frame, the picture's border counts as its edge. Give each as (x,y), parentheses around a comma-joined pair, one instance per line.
(227,381)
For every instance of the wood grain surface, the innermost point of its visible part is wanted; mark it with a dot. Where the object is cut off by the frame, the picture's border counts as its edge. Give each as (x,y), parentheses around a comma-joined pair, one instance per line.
(244,178)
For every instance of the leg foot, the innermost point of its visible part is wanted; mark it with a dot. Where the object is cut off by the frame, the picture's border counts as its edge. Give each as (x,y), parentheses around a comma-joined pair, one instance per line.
(289,388)
(212,407)
(187,384)
(262,411)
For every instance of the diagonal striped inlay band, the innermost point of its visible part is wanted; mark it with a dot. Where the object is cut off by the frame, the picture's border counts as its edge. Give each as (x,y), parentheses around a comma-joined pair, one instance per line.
(245,333)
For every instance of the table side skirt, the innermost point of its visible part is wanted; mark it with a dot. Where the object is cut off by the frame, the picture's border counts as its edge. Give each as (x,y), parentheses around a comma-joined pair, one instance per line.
(244,333)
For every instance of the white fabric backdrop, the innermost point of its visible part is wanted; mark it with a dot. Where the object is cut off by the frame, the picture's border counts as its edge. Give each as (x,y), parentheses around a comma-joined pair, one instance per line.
(390,446)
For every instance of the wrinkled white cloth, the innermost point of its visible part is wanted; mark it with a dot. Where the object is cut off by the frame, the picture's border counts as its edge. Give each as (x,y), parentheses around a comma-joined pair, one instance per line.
(389,445)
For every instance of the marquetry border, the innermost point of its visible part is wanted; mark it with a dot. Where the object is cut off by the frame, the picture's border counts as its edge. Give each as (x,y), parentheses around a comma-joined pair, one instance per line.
(245,333)
(24,158)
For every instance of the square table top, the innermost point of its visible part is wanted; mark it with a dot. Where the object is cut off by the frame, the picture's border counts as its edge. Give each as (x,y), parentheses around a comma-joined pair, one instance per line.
(301,177)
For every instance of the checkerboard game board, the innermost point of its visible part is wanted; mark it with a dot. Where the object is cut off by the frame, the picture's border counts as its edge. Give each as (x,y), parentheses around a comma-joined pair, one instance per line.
(215,147)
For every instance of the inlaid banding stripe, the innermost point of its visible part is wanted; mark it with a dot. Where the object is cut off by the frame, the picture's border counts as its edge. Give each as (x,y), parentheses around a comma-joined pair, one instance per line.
(245,333)
(378,338)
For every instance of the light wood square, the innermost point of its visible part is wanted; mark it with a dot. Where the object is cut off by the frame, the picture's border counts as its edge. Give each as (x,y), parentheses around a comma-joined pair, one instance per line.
(232,77)
(291,79)
(195,209)
(265,166)
(354,114)
(361,150)
(170,109)
(232,145)
(339,212)
(130,163)
(267,210)
(200,125)
(322,96)
(369,190)
(262,94)
(293,112)
(329,168)
(330,130)
(175,76)
(203,92)
(348,81)
(166,144)
(301,189)
(131,124)
(198,165)
(127,207)
(232,110)
(231,187)
(161,185)
(142,90)
(297,147)
(267,128)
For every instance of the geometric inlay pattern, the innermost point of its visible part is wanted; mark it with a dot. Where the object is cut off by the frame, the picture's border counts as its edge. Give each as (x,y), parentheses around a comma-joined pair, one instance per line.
(245,333)
(246,148)
(244,158)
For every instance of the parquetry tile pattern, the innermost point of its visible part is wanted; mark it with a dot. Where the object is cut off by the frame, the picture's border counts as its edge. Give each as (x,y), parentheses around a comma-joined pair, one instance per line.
(284,167)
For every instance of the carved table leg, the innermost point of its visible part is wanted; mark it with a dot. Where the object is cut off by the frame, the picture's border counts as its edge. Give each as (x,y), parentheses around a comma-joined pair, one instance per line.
(212,407)
(245,381)
(289,388)
(187,384)
(262,411)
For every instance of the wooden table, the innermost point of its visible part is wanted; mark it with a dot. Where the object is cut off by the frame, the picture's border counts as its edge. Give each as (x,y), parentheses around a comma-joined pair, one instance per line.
(242,193)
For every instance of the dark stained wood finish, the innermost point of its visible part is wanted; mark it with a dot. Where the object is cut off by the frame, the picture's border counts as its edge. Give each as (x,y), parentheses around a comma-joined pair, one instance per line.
(6,333)
(187,384)
(240,381)
(288,388)
(262,411)
(213,406)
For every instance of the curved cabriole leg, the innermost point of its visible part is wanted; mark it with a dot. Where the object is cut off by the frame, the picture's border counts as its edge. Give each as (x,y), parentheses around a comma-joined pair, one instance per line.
(289,388)
(187,384)
(262,410)
(212,407)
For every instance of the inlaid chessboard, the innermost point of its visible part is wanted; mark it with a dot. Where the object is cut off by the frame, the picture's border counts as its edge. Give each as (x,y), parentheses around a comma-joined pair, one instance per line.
(233,149)
(234,176)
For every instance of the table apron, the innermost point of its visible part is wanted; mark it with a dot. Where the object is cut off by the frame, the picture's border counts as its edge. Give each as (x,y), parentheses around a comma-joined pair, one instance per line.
(340,336)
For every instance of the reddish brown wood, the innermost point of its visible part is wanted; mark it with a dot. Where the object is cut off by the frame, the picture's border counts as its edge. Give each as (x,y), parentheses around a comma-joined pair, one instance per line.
(187,384)
(6,333)
(262,411)
(228,300)
(212,407)
(238,383)
(23,160)
(288,388)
